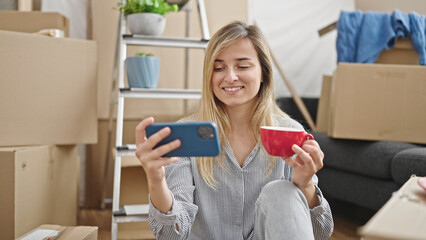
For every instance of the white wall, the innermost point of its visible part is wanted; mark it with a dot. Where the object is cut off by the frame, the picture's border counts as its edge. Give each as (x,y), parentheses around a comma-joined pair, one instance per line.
(291,27)
(74,10)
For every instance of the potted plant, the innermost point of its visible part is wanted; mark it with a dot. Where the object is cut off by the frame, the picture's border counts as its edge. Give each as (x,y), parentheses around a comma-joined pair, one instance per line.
(143,70)
(147,16)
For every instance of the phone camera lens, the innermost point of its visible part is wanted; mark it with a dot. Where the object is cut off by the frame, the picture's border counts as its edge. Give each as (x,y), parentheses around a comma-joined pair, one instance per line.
(205,132)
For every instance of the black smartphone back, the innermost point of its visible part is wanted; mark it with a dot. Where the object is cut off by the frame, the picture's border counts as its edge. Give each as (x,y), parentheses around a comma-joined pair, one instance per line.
(198,139)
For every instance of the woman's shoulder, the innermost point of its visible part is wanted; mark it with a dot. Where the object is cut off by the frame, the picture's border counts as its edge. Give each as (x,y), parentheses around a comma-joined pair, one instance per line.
(285,121)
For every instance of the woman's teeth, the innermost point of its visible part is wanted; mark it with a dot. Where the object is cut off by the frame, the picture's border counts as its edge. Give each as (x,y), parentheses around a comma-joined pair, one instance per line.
(232,89)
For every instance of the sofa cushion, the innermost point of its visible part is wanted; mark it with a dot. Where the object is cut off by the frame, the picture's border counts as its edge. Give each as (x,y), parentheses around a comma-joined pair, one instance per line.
(354,188)
(408,162)
(369,158)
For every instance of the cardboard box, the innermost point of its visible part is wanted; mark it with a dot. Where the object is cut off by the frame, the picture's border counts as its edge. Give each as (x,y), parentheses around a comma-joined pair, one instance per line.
(48,90)
(402,217)
(62,233)
(407,6)
(378,102)
(402,53)
(38,184)
(32,22)
(323,112)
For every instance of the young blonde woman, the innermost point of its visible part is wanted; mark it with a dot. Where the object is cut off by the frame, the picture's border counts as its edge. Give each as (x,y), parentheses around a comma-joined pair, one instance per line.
(243,193)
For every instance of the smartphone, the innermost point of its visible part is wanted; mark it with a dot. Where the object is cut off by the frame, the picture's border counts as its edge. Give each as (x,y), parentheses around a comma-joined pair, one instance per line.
(198,139)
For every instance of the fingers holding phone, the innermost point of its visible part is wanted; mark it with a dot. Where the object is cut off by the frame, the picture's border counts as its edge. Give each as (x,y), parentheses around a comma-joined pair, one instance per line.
(149,156)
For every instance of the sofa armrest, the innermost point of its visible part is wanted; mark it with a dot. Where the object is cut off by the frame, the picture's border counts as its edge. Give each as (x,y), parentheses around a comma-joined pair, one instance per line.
(408,162)
(368,158)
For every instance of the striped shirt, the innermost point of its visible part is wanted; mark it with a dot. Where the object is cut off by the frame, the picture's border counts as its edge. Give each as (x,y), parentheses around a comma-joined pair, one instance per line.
(227,212)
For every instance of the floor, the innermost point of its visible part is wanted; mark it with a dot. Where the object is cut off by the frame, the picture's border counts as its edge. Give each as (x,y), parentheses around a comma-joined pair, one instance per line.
(347,219)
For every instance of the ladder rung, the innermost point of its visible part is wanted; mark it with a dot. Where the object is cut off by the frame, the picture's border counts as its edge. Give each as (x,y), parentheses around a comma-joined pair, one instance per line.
(132,210)
(163,93)
(126,150)
(165,41)
(132,213)
(125,219)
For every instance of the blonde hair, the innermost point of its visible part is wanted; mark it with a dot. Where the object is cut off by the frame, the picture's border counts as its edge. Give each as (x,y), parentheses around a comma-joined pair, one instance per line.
(212,109)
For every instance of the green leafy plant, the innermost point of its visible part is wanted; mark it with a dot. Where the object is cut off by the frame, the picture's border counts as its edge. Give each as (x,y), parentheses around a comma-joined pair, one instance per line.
(143,54)
(147,6)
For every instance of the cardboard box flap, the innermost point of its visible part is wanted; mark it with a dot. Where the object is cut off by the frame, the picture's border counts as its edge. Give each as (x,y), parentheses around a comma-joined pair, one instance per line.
(32,22)
(60,232)
(402,217)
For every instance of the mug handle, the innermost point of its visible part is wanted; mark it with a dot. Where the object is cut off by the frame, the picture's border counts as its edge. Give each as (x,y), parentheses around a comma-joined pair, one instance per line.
(308,136)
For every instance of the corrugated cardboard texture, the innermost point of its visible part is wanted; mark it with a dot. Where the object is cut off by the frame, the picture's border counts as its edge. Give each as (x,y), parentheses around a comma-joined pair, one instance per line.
(32,22)
(48,90)
(41,186)
(402,217)
(379,102)
(69,233)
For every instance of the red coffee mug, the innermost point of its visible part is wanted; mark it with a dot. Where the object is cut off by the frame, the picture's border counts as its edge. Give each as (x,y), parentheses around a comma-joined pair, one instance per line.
(277,141)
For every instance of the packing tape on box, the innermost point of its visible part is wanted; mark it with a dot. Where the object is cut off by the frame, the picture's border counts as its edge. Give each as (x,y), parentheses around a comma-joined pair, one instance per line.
(56,33)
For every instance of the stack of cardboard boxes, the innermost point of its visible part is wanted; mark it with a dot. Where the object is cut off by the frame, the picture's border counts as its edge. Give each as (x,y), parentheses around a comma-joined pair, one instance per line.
(380,101)
(48,105)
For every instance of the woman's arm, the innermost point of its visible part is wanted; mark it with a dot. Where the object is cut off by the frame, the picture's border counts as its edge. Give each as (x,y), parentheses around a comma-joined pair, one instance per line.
(171,207)
(176,223)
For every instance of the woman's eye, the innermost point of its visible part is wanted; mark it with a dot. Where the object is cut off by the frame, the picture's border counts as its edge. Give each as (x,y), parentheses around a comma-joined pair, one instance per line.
(243,67)
(218,69)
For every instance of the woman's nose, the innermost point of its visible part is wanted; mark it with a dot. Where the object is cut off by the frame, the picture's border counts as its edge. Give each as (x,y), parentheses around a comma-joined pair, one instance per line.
(231,75)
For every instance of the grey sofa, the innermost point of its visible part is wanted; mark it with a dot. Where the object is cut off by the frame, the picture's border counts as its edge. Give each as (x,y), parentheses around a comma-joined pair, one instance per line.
(365,173)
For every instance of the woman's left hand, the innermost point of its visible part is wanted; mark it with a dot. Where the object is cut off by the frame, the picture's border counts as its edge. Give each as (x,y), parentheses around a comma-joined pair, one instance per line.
(309,160)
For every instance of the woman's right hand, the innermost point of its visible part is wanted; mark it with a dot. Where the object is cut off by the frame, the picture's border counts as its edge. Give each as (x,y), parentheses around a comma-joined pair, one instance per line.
(151,159)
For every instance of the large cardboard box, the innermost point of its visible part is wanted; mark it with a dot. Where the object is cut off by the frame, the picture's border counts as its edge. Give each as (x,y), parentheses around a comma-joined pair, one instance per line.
(32,22)
(402,217)
(38,185)
(58,232)
(378,102)
(48,90)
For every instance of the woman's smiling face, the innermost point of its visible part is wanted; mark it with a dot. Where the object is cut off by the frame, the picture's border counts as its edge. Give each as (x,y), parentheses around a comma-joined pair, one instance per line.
(237,75)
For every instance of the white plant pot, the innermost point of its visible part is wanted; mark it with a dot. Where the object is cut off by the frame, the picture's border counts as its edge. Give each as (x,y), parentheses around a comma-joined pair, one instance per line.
(146,23)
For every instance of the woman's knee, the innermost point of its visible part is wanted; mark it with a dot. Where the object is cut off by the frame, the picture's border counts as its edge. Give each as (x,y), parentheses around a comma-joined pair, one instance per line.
(281,191)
